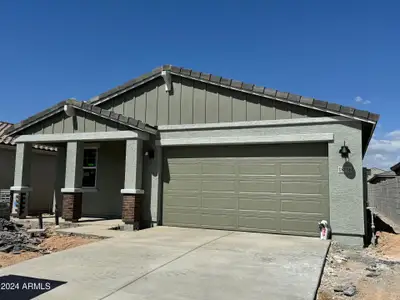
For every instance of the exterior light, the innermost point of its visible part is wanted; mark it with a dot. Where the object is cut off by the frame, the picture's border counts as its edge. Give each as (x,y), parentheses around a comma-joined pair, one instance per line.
(344,151)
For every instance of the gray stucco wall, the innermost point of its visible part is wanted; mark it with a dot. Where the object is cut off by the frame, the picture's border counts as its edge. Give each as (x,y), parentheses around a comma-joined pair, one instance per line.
(193,102)
(106,202)
(43,174)
(346,191)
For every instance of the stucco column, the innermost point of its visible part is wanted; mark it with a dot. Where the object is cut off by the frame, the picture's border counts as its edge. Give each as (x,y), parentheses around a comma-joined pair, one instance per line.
(22,179)
(132,191)
(60,180)
(72,191)
(156,182)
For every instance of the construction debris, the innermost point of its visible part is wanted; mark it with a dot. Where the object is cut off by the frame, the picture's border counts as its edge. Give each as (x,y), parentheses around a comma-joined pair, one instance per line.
(14,238)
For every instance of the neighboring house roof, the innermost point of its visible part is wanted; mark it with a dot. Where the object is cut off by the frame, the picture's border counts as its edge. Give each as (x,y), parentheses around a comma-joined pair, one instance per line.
(10,140)
(383,175)
(86,107)
(396,168)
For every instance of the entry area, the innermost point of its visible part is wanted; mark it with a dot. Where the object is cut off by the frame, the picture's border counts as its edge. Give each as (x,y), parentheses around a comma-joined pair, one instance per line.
(261,188)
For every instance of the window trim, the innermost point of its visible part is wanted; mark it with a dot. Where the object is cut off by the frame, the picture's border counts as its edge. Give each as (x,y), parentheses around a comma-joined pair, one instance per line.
(91,168)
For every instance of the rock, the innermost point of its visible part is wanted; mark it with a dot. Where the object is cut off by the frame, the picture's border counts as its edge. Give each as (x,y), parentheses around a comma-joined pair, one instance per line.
(16,252)
(338,288)
(371,268)
(32,248)
(339,259)
(350,290)
(45,252)
(373,274)
(6,248)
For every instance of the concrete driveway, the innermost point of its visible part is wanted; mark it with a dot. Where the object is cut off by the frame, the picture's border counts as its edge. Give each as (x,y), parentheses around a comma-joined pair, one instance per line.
(179,263)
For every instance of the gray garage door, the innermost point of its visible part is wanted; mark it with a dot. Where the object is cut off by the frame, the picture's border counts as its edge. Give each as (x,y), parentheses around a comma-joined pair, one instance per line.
(269,188)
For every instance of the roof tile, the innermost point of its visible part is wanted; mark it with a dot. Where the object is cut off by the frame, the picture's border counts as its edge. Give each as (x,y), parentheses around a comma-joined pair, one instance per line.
(282,95)
(307,100)
(347,110)
(294,98)
(333,106)
(258,89)
(236,84)
(215,79)
(205,76)
(226,81)
(247,86)
(270,92)
(320,104)
(186,71)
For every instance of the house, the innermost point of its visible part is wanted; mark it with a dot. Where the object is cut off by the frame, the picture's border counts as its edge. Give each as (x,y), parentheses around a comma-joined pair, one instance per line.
(371,172)
(381,177)
(43,170)
(178,147)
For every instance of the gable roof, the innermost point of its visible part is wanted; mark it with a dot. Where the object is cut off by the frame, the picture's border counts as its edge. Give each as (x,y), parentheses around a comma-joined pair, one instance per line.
(86,107)
(291,98)
(386,174)
(10,140)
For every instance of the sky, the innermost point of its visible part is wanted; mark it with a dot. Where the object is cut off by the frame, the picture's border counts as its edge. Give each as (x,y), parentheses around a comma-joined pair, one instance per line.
(341,51)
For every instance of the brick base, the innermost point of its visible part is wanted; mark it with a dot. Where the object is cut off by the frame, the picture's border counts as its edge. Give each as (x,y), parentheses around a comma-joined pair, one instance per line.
(131,209)
(72,206)
(21,204)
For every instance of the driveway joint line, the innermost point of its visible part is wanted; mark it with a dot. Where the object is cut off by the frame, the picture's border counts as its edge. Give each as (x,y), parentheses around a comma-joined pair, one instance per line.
(167,263)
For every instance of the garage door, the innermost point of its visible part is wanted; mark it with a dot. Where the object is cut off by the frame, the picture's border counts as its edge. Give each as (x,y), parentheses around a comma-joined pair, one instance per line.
(269,188)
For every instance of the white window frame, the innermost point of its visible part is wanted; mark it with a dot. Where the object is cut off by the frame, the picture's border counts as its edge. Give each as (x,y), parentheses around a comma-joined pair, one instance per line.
(91,168)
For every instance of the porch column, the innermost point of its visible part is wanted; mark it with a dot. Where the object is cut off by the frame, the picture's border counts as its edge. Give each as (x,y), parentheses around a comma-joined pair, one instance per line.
(72,192)
(22,179)
(60,181)
(132,192)
(156,183)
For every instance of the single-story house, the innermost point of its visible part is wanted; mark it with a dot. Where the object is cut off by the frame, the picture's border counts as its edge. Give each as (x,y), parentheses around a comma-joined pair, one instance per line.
(178,147)
(371,172)
(42,172)
(382,177)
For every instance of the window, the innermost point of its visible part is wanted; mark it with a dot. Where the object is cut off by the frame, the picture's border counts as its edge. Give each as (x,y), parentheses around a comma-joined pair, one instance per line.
(89,167)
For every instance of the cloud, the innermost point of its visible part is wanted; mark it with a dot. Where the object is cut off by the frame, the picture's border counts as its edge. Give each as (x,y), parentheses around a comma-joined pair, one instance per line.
(384,152)
(358,99)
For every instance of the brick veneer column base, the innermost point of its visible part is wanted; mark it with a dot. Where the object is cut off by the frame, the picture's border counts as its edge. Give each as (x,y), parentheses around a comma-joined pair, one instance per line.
(131,209)
(72,206)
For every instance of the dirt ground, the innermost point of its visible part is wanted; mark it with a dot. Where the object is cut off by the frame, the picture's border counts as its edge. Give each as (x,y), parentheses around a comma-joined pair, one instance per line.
(53,243)
(373,273)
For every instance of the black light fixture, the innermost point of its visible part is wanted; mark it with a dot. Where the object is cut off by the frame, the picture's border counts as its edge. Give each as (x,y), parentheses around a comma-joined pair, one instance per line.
(150,153)
(344,151)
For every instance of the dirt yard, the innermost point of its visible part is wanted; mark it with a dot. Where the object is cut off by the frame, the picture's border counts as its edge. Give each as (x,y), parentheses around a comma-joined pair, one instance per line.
(53,243)
(369,274)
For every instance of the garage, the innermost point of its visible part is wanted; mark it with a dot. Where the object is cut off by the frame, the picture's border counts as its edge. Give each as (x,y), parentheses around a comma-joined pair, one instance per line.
(280,188)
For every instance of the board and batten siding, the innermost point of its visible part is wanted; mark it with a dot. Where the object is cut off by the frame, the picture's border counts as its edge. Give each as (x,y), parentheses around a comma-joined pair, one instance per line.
(193,102)
(82,122)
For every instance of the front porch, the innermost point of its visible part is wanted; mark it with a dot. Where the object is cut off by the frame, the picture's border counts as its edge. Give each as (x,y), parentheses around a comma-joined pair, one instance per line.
(102,171)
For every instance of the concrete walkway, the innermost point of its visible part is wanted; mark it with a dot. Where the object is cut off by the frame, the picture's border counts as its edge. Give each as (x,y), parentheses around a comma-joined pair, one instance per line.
(178,263)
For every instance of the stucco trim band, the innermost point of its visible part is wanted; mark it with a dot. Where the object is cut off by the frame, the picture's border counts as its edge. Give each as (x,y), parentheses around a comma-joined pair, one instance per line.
(132,191)
(22,189)
(83,136)
(239,140)
(72,190)
(252,124)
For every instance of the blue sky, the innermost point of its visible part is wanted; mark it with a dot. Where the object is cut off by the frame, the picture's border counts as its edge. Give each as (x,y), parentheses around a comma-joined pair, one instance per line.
(341,51)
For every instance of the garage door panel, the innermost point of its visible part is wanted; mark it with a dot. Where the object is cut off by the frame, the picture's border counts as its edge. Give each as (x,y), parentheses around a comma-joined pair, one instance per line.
(270,188)
(182,217)
(259,186)
(303,188)
(300,224)
(261,204)
(222,221)
(182,200)
(220,185)
(218,169)
(302,206)
(259,223)
(302,169)
(219,202)
(256,168)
